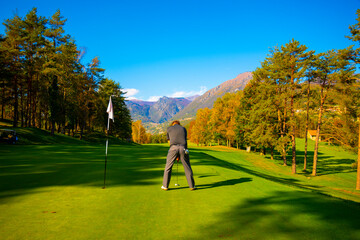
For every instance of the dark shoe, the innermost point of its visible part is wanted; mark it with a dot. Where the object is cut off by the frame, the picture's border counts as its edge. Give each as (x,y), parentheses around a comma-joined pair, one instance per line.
(192,189)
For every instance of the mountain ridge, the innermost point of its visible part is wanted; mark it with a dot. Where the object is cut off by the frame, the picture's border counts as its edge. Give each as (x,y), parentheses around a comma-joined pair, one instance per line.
(208,98)
(156,112)
(155,115)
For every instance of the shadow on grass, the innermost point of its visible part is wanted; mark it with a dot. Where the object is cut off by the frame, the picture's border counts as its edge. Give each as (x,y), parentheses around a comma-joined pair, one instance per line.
(24,169)
(230,182)
(208,159)
(288,215)
(327,164)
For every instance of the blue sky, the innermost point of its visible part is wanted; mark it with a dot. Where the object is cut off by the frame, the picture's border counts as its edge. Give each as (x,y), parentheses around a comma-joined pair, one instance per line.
(180,48)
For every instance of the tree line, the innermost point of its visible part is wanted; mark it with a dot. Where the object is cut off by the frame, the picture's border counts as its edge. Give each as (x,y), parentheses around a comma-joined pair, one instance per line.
(295,90)
(139,134)
(43,83)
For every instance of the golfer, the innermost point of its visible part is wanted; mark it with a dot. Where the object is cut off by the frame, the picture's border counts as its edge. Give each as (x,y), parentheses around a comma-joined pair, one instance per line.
(176,134)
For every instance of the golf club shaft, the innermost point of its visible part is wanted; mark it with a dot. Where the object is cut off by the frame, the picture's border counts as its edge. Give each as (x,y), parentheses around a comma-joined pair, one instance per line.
(177,172)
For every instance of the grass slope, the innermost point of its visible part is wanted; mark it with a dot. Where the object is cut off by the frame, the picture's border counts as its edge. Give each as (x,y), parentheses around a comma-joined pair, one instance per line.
(39,136)
(54,192)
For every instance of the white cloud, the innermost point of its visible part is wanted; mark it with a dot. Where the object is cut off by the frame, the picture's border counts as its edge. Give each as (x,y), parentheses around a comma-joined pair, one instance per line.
(180,94)
(131,98)
(130,93)
(203,90)
(154,98)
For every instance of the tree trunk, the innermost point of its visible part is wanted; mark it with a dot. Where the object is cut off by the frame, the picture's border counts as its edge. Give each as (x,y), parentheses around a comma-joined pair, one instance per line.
(358,161)
(33,108)
(284,156)
(293,140)
(64,113)
(46,120)
(263,151)
(28,103)
(22,105)
(81,132)
(39,118)
(16,102)
(284,132)
(307,125)
(3,99)
(318,135)
(272,153)
(52,127)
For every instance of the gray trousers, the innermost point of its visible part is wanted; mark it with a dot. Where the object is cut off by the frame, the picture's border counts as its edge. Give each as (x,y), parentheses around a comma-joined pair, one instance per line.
(174,152)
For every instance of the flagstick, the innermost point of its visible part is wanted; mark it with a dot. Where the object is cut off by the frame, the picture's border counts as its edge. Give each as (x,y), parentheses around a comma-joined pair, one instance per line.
(107,141)
(110,111)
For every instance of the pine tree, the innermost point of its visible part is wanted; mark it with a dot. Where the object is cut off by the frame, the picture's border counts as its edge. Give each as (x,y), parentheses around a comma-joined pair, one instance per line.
(57,62)
(54,103)
(294,64)
(308,90)
(34,44)
(121,128)
(330,69)
(13,56)
(244,127)
(355,37)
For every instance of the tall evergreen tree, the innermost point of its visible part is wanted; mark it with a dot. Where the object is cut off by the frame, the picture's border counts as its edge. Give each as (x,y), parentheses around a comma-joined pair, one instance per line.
(295,61)
(54,103)
(330,69)
(121,127)
(34,44)
(355,37)
(13,55)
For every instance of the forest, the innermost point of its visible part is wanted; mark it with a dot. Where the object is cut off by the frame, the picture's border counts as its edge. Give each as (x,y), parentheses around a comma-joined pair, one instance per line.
(43,83)
(296,91)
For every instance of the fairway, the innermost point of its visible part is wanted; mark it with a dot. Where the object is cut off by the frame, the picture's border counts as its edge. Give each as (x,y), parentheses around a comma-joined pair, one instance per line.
(55,192)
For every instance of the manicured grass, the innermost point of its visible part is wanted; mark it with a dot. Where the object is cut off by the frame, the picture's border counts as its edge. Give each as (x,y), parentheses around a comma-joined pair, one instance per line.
(55,192)
(39,136)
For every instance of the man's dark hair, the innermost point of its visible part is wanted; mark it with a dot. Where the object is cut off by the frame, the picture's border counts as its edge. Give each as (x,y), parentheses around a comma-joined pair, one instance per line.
(175,122)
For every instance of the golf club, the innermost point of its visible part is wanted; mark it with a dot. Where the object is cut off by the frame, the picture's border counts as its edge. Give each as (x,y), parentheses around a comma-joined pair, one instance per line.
(177,172)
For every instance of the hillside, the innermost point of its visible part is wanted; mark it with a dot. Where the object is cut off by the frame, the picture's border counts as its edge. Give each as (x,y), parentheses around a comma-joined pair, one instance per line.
(156,112)
(139,110)
(165,108)
(155,115)
(207,99)
(35,136)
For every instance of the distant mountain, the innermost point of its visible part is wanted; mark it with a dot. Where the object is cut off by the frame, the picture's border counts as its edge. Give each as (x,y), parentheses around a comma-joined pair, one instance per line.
(155,115)
(165,108)
(208,98)
(192,98)
(139,109)
(156,112)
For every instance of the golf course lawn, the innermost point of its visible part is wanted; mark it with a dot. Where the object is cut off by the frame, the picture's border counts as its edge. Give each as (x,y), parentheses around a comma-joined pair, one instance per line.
(55,192)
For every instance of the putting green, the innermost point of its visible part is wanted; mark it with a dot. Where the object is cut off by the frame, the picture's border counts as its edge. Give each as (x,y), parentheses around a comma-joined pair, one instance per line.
(55,192)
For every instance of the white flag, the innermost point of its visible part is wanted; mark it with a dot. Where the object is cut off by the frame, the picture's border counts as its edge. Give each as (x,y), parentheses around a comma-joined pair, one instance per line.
(110,110)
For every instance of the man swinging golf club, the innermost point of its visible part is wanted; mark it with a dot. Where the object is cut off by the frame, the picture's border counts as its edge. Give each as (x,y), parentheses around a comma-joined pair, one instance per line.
(177,135)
